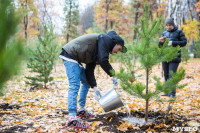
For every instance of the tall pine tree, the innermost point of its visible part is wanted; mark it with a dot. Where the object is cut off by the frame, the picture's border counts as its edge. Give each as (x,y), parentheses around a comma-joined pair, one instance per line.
(149,54)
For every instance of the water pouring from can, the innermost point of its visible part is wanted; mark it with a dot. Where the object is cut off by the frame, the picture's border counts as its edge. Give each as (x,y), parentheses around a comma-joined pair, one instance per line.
(111,100)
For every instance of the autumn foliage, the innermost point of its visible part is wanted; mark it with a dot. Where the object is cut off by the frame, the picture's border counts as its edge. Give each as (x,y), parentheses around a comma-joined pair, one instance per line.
(191,30)
(112,14)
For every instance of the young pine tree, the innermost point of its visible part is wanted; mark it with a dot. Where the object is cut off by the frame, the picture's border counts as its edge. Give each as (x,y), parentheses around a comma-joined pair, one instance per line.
(127,64)
(42,60)
(185,54)
(149,54)
(11,48)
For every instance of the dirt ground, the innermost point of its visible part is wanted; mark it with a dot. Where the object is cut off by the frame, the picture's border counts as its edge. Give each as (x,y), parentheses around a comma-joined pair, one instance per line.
(45,110)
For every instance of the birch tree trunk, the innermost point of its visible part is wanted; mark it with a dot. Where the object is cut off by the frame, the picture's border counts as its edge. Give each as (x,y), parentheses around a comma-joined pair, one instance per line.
(181,10)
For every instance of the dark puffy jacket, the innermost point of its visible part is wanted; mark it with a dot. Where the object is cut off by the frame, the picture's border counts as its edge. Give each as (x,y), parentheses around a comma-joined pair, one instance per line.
(178,39)
(105,44)
(93,49)
(82,48)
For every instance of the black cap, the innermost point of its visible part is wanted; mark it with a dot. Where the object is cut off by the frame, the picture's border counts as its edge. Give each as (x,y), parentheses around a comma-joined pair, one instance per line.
(117,40)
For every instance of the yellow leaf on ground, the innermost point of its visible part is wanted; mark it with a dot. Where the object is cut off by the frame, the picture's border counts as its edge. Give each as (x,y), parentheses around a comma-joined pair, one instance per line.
(39,130)
(150,130)
(130,126)
(198,100)
(123,127)
(100,110)
(93,125)
(8,98)
(18,122)
(19,100)
(159,126)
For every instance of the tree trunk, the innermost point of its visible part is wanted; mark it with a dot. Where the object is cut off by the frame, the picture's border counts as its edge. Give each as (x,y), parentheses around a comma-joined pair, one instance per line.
(181,10)
(111,24)
(136,20)
(150,15)
(70,20)
(198,13)
(48,17)
(106,24)
(147,89)
(107,9)
(26,22)
(45,65)
(146,110)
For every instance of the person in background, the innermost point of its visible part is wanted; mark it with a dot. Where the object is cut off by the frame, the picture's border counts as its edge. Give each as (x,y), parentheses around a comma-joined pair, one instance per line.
(91,49)
(177,38)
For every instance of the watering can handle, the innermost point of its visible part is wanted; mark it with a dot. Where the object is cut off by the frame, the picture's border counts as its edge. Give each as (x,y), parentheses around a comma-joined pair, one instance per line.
(97,94)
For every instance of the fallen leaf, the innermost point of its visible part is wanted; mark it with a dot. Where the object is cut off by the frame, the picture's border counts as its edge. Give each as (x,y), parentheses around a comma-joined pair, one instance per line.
(18,122)
(159,126)
(100,110)
(123,126)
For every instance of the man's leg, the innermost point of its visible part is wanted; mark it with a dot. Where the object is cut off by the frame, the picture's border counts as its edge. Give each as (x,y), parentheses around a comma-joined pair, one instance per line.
(165,67)
(84,88)
(82,112)
(73,73)
(173,67)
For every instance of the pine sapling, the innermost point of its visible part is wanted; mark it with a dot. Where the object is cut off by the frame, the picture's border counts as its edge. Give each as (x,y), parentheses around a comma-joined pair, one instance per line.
(42,60)
(149,54)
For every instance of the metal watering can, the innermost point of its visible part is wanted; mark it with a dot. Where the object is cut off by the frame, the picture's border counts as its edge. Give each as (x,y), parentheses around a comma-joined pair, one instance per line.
(110,100)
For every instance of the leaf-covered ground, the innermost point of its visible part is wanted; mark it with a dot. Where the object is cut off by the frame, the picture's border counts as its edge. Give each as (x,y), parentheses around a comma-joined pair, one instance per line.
(45,110)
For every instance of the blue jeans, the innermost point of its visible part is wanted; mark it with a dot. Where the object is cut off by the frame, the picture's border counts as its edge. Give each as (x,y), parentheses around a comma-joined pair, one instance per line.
(75,74)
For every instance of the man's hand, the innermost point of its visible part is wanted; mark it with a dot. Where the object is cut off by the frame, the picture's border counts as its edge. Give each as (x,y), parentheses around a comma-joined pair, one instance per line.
(115,81)
(97,93)
(162,39)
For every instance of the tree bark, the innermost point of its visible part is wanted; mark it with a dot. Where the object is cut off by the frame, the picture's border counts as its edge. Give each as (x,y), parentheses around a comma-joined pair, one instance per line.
(70,19)
(111,24)
(45,66)
(136,20)
(26,22)
(107,10)
(147,89)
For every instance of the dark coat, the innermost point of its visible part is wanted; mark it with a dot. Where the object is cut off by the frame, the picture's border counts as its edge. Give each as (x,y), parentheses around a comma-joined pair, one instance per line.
(93,49)
(82,48)
(178,39)
(106,42)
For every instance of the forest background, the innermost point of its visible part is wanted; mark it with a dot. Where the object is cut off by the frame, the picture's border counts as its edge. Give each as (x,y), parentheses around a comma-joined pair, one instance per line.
(34,31)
